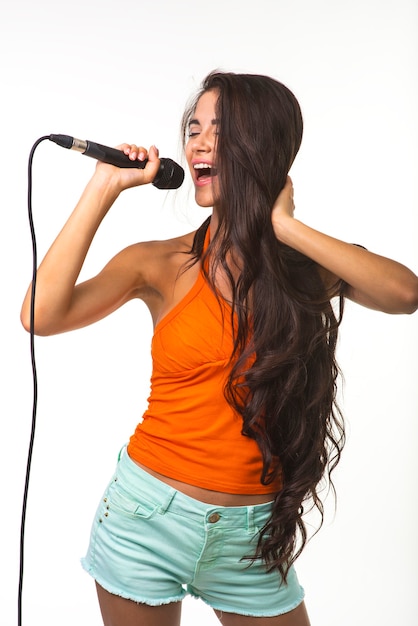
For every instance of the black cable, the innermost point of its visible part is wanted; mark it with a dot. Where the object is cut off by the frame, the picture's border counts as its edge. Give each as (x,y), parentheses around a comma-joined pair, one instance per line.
(35,380)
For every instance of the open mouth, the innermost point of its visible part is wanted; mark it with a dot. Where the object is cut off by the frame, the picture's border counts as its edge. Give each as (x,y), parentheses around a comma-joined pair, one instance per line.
(204,171)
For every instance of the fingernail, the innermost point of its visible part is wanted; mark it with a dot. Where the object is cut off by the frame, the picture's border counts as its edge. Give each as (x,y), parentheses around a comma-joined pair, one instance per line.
(141,156)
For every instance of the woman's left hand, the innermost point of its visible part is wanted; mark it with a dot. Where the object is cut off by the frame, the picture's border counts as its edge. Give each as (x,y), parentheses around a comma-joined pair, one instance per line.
(283,208)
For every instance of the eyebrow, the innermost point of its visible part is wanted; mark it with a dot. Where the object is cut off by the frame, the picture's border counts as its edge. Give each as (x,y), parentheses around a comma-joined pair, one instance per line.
(195,121)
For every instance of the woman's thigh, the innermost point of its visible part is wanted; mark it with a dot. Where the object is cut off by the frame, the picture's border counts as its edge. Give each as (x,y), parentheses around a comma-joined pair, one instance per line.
(297,617)
(117,611)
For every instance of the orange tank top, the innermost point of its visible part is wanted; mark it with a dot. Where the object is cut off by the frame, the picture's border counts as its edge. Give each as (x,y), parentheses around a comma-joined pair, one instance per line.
(189,431)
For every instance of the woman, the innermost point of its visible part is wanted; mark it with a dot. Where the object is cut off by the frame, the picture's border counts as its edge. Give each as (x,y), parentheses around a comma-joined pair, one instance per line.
(242,422)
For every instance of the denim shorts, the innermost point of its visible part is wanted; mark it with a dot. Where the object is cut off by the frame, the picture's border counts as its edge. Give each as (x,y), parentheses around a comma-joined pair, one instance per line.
(152,544)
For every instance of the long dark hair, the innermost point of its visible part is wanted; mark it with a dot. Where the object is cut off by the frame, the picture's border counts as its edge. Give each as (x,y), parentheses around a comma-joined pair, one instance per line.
(284,371)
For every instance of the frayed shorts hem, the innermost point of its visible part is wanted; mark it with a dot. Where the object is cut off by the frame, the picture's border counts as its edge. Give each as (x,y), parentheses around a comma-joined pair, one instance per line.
(127,596)
(252,613)
(195,596)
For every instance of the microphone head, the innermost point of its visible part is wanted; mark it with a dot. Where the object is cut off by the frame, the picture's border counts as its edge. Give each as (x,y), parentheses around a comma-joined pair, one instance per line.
(170,175)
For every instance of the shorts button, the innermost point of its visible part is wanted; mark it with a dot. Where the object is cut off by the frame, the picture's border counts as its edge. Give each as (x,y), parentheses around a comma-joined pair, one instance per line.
(214,517)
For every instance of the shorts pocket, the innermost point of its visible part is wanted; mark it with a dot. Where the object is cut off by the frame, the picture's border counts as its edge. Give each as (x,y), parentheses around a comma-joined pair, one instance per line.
(127,504)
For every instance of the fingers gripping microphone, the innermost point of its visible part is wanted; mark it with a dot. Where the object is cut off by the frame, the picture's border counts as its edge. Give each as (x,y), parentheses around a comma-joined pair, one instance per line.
(169,176)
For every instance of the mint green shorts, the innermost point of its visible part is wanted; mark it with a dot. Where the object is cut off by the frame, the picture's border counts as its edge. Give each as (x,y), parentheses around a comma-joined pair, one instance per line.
(152,544)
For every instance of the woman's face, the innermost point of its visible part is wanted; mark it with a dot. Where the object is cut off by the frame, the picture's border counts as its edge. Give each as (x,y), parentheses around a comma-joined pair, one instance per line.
(201,149)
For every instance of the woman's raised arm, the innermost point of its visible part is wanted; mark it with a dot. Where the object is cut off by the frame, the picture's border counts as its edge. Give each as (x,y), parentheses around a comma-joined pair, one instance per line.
(372,280)
(60,304)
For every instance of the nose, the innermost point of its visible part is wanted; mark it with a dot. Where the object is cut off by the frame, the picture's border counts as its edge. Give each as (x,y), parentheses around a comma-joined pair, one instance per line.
(202,142)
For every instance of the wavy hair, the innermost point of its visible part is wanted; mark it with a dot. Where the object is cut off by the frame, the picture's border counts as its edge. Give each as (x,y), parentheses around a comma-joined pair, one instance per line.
(283,367)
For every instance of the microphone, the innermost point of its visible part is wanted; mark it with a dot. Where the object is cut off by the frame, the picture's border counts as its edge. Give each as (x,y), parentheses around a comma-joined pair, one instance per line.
(169,176)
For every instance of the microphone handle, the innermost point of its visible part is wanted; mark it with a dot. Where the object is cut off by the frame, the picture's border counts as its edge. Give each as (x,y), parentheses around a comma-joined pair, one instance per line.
(112,156)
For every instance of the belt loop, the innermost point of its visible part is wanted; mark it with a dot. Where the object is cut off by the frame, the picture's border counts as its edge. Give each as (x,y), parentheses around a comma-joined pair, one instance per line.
(251,528)
(167,501)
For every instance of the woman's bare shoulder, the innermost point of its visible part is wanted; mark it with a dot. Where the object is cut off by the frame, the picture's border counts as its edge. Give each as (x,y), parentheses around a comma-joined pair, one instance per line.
(182,244)
(162,250)
(158,262)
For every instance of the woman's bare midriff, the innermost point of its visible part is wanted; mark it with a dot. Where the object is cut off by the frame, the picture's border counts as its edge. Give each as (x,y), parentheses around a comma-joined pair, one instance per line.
(218,498)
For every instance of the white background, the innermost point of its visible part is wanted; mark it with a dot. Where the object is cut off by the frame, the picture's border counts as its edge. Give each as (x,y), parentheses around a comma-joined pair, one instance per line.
(123,71)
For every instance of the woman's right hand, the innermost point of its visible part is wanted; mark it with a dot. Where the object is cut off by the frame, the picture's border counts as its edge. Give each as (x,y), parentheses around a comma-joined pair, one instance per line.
(126,177)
